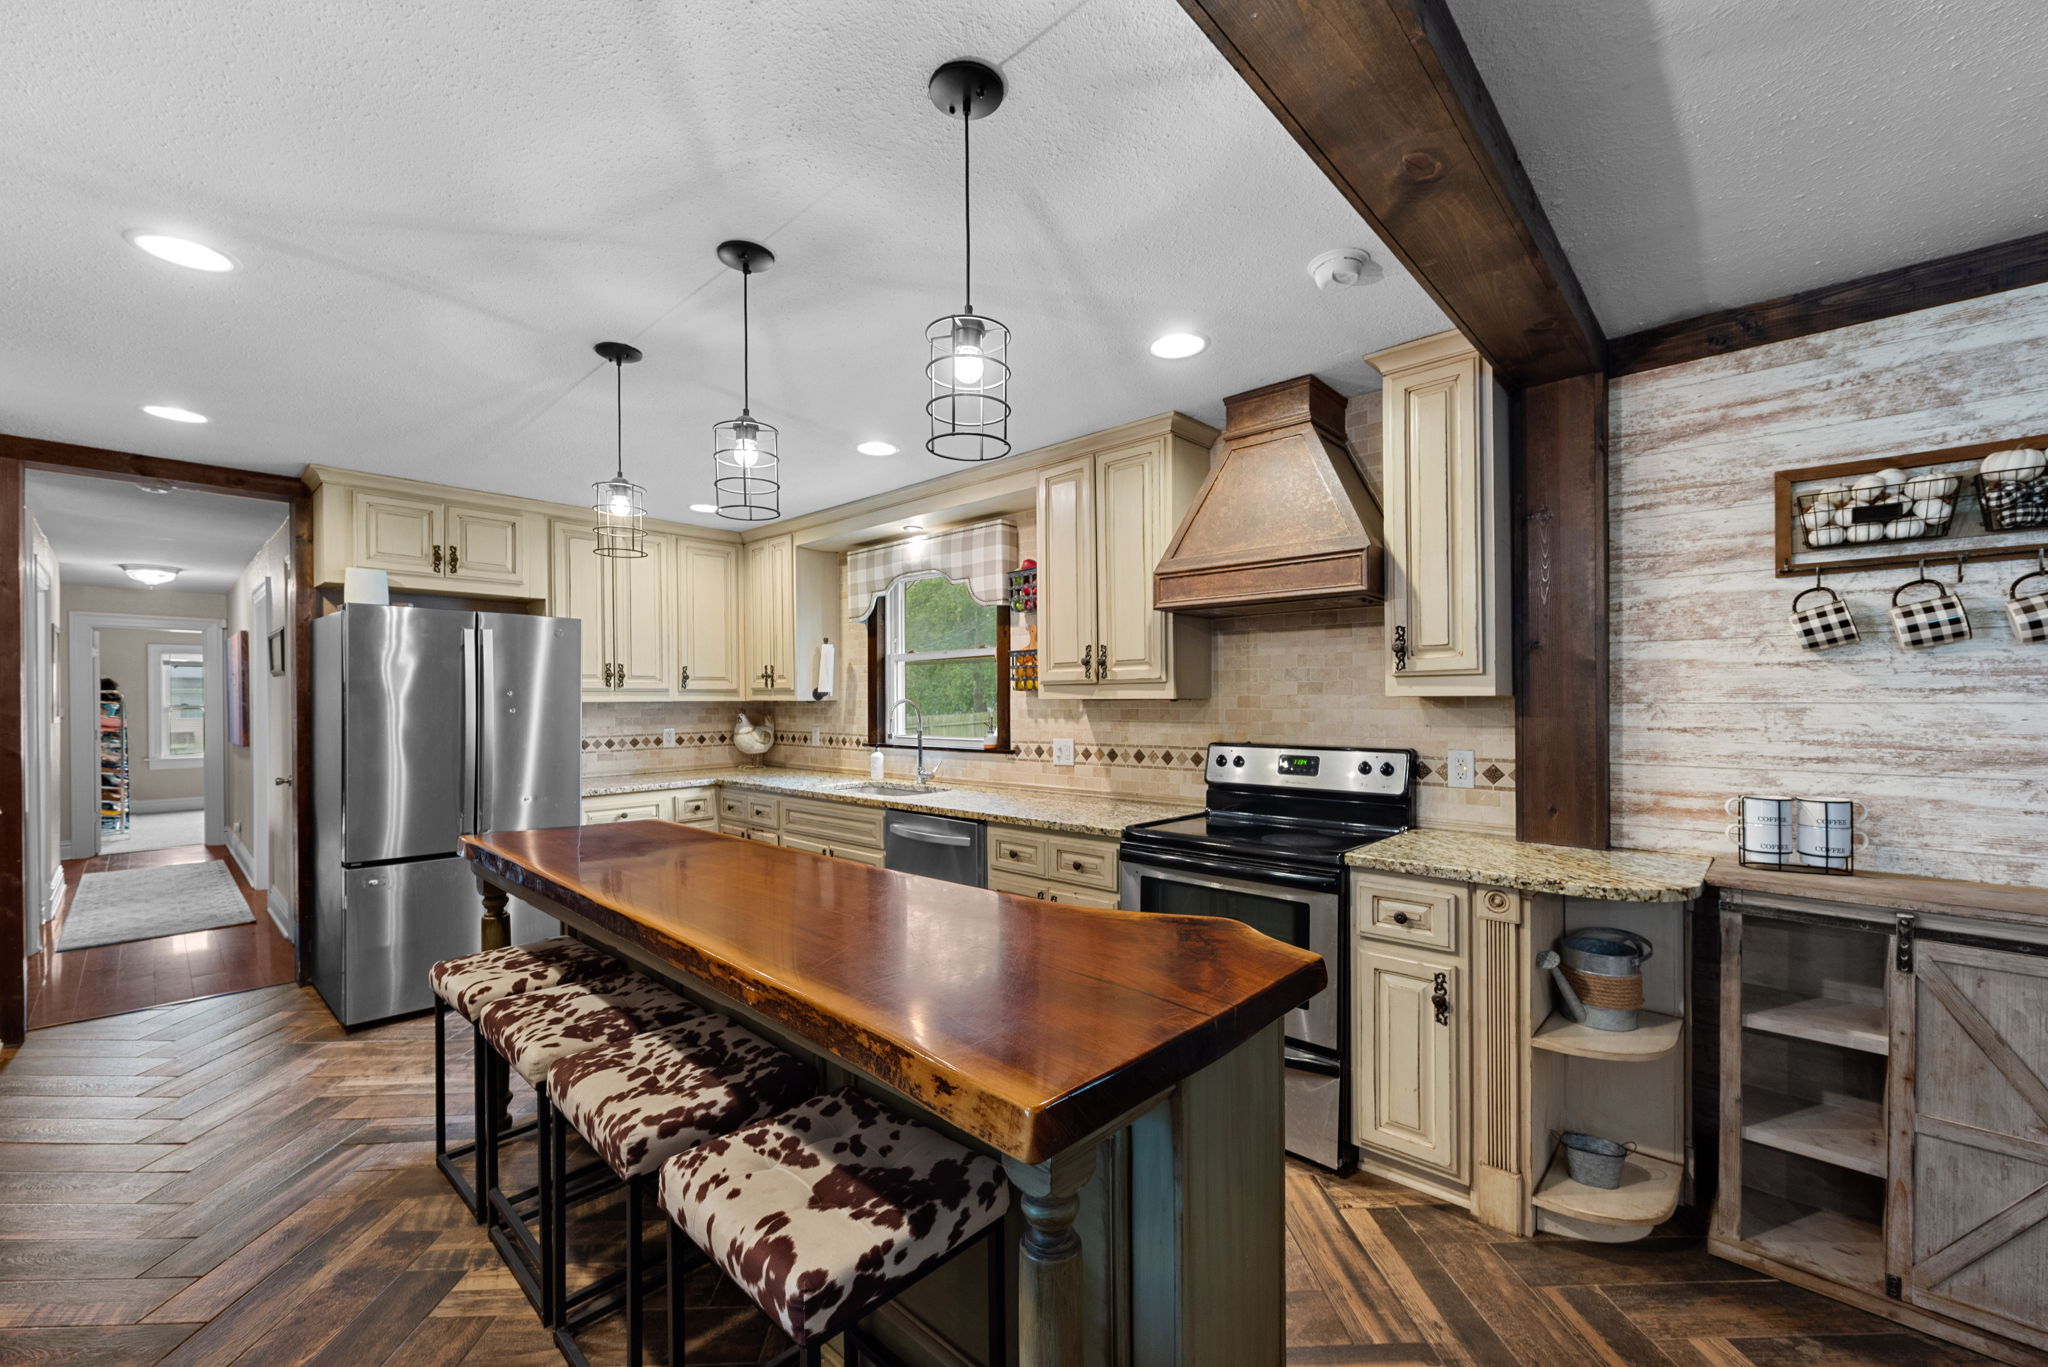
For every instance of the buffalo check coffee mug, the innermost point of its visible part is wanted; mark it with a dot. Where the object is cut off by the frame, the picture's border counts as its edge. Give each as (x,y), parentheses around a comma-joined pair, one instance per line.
(1931,622)
(1826,624)
(2029,612)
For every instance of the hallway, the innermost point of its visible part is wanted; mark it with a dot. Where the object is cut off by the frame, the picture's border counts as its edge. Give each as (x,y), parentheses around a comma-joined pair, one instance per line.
(83,984)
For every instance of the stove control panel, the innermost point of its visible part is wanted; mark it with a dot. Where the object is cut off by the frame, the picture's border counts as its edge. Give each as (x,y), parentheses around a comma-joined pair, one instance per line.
(1388,773)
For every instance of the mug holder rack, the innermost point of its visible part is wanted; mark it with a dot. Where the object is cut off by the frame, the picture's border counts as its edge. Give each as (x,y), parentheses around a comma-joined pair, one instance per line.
(1792,862)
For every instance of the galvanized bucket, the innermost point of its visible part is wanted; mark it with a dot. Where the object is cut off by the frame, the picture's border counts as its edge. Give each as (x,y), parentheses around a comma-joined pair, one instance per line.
(1593,1161)
(1604,968)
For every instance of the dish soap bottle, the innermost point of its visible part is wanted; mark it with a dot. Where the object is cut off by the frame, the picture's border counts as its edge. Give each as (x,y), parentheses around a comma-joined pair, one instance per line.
(875,765)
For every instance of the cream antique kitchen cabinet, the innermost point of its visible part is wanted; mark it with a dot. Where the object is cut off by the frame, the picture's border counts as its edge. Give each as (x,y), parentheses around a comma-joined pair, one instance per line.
(627,607)
(427,539)
(1410,1091)
(708,620)
(1104,520)
(1445,478)
(792,605)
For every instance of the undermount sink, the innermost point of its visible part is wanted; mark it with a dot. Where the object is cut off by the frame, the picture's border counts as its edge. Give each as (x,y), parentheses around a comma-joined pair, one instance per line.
(871,788)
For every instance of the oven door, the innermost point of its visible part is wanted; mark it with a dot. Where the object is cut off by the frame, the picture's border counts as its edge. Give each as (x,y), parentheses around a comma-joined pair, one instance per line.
(1302,911)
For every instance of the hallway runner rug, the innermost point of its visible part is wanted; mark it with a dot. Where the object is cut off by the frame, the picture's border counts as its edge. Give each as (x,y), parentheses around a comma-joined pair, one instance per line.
(142,904)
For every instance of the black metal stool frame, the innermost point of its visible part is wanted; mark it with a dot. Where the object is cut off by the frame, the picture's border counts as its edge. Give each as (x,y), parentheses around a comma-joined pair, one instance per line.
(858,1348)
(448,1158)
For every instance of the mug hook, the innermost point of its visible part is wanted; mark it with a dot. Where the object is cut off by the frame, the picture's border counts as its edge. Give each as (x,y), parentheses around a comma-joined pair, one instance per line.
(1961,561)
(1816,571)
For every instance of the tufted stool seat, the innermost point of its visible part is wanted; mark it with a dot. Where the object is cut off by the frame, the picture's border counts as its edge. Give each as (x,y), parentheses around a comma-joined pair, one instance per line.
(827,1210)
(531,1032)
(466,985)
(643,1100)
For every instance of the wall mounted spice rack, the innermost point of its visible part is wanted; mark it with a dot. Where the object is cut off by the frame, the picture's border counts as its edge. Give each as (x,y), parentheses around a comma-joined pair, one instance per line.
(2005,520)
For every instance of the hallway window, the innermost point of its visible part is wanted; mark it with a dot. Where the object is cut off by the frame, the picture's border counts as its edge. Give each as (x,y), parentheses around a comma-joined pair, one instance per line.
(177,704)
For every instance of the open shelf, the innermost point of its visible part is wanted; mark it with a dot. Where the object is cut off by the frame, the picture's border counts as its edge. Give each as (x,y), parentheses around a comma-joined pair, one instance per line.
(1825,1020)
(1847,1134)
(1648,1193)
(1655,1036)
(1833,1243)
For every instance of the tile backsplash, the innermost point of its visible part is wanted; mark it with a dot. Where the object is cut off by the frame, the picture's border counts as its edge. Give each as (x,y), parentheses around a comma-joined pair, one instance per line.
(626,737)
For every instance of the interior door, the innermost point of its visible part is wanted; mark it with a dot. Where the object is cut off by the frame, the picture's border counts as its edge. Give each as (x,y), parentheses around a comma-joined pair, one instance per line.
(400,535)
(577,588)
(707,594)
(486,546)
(644,620)
(1978,1104)
(1066,574)
(1406,1094)
(1130,511)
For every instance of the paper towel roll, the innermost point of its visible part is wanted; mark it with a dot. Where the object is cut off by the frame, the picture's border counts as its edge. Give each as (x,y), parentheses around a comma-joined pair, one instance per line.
(822,677)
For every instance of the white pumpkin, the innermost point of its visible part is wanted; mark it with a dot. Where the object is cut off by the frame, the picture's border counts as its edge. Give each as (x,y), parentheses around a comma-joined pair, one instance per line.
(1905,528)
(1863,533)
(2016,463)
(1826,536)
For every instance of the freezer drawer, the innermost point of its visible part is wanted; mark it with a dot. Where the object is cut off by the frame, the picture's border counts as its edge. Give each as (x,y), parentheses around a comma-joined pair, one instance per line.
(397,921)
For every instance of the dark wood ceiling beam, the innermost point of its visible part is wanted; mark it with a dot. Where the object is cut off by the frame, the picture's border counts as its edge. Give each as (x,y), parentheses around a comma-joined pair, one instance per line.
(1929,284)
(35,452)
(1384,96)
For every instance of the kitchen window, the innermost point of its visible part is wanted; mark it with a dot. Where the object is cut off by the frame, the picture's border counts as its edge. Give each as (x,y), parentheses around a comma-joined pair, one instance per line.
(177,707)
(929,641)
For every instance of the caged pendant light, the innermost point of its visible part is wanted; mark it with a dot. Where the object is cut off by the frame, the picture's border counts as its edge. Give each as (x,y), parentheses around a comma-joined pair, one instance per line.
(620,504)
(969,367)
(747,471)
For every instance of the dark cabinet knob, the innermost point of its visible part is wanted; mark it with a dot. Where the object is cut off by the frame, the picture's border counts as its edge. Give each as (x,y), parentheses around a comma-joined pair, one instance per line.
(1400,918)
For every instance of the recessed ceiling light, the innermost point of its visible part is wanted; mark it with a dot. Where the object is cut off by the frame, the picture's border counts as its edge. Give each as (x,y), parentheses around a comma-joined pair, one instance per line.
(875,448)
(1178,346)
(913,527)
(179,252)
(151,575)
(703,507)
(170,414)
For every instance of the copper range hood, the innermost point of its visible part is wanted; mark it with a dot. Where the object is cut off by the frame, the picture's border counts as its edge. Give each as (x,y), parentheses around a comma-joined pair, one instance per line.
(1284,521)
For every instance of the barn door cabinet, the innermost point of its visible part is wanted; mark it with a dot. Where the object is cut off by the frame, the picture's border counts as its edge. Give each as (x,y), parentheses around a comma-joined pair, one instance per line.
(1445,447)
(427,539)
(1884,1104)
(1104,520)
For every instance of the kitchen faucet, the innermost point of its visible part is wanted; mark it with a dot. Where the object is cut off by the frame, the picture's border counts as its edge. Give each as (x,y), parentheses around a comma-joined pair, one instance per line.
(924,775)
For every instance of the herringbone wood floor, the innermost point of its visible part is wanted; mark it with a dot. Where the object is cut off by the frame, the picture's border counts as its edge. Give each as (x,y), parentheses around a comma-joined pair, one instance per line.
(234,1180)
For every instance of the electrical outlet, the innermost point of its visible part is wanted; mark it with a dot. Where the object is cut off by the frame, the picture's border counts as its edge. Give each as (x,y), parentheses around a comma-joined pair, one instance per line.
(815,741)
(668,735)
(1063,754)
(1461,768)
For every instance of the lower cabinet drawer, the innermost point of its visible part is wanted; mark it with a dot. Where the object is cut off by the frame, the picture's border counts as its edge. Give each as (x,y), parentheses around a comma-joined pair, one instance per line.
(695,808)
(733,807)
(1048,890)
(654,807)
(1072,859)
(1015,854)
(1411,911)
(835,823)
(1086,863)
(853,853)
(749,833)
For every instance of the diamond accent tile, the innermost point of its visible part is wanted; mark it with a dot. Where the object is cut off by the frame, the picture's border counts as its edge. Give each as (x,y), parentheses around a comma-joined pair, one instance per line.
(1493,773)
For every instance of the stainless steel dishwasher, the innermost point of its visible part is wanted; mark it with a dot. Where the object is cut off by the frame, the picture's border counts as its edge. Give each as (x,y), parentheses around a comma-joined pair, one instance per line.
(936,847)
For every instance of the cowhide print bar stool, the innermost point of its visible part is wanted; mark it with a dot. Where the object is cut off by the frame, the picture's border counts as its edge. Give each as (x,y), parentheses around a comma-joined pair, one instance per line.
(466,986)
(532,1032)
(828,1211)
(638,1103)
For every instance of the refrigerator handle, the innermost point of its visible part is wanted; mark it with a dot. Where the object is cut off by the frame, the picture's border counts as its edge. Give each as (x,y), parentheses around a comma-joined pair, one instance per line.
(470,709)
(480,734)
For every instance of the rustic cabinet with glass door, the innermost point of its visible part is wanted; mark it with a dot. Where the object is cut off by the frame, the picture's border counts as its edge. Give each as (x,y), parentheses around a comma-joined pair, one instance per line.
(1884,1106)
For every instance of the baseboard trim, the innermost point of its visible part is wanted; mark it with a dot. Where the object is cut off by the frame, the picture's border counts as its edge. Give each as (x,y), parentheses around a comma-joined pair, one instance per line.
(244,861)
(280,908)
(141,805)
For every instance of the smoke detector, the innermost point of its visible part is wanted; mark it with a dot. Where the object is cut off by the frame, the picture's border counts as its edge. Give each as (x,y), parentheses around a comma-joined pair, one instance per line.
(1343,268)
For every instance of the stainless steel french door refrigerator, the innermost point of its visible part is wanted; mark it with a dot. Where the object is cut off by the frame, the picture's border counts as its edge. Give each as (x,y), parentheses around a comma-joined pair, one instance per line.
(428,725)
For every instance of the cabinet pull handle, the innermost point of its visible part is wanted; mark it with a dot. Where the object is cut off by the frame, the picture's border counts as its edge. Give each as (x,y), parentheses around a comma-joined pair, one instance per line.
(1077,866)
(683,679)
(437,560)
(453,562)
(1101,661)
(1400,649)
(1401,919)
(767,676)
(1014,854)
(1440,998)
(607,673)
(1087,662)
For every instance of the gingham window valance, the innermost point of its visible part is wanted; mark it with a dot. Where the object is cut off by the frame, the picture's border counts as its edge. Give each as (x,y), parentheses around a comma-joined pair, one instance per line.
(977,556)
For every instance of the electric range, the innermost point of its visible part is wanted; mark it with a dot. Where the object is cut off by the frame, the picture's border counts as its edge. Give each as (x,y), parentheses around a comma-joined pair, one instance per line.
(1269,851)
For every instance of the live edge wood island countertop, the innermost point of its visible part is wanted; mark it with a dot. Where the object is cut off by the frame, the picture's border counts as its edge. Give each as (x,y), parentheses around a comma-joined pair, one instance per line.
(1027,1024)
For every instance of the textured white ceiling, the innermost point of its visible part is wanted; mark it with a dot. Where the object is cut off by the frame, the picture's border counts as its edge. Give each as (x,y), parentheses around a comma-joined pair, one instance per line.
(97,525)
(439,208)
(1697,155)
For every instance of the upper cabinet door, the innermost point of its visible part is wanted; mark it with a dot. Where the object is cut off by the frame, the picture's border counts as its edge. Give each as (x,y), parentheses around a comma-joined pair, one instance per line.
(769,658)
(399,535)
(1131,531)
(577,588)
(644,618)
(707,598)
(1447,614)
(487,546)
(1066,574)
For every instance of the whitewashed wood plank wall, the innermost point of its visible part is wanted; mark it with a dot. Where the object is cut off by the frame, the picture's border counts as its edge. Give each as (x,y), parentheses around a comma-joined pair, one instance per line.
(1711,697)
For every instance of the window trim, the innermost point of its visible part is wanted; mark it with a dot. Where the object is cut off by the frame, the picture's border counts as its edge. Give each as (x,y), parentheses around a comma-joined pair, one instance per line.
(887,605)
(161,653)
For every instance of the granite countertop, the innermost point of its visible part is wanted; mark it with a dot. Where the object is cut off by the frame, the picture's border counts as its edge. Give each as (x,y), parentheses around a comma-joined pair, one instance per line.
(1489,860)
(1041,808)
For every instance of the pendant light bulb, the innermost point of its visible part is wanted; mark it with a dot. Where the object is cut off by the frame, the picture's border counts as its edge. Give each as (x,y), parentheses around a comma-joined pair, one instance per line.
(968,364)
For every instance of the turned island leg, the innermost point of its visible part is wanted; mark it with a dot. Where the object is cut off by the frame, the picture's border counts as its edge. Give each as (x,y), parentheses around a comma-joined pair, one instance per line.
(496,934)
(1050,1310)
